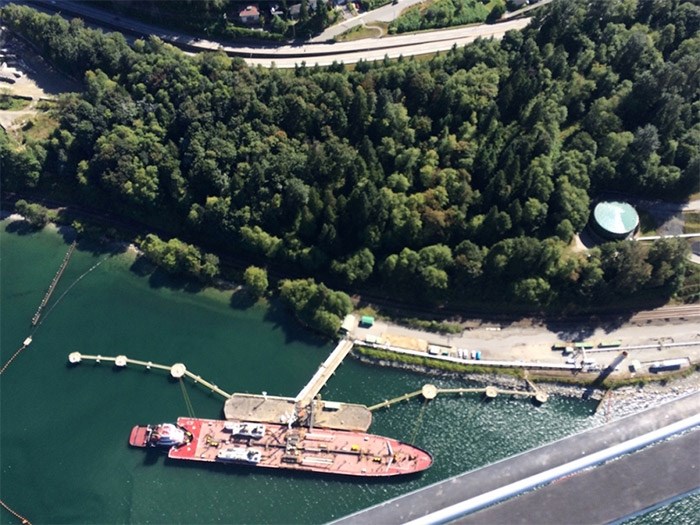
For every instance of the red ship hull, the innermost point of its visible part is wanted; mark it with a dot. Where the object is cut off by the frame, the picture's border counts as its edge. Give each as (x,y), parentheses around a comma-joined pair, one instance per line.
(278,446)
(139,437)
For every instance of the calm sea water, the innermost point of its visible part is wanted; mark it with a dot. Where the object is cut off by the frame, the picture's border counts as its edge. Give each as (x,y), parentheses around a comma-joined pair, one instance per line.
(64,429)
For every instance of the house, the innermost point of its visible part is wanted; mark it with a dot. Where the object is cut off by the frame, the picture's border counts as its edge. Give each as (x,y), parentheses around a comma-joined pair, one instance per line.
(249,15)
(295,10)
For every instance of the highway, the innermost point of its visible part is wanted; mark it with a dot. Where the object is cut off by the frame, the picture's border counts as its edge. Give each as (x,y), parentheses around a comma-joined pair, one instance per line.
(289,56)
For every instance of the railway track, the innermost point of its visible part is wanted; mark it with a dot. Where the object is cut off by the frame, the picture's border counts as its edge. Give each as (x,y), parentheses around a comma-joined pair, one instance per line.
(668,313)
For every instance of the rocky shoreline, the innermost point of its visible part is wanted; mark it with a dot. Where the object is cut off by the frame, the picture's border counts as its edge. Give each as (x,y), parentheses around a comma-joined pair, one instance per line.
(615,404)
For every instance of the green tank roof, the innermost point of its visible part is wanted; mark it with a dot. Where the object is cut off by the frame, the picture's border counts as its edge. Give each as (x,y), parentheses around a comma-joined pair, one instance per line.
(618,218)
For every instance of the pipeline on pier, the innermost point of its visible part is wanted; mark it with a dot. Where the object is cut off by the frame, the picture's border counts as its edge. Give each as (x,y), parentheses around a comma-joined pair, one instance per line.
(430,391)
(178,370)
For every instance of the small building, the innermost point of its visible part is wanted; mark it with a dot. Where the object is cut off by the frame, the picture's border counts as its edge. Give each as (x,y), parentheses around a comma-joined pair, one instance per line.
(374,339)
(349,323)
(613,220)
(295,10)
(250,15)
(669,364)
(366,321)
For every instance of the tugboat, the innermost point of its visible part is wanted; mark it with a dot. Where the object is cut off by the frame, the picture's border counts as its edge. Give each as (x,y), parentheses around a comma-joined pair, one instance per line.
(165,436)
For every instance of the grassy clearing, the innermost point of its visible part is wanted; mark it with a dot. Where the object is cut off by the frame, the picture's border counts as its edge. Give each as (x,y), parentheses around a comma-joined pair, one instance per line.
(39,127)
(368,310)
(433,364)
(435,14)
(690,291)
(376,30)
(11,103)
(439,327)
(692,222)
(613,384)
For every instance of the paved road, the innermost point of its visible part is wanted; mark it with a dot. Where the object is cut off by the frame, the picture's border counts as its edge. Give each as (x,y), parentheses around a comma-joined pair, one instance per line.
(391,12)
(459,488)
(521,12)
(414,47)
(385,13)
(289,56)
(532,343)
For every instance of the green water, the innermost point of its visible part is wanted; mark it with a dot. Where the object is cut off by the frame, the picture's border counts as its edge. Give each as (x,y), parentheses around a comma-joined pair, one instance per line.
(64,429)
(685,511)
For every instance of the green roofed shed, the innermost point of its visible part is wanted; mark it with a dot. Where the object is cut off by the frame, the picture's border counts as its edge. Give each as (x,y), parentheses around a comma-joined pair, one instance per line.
(367,320)
(614,220)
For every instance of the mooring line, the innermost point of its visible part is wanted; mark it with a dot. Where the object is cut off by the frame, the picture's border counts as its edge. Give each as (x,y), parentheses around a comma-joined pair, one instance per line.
(24,520)
(35,326)
(418,421)
(188,402)
(12,358)
(36,322)
(70,288)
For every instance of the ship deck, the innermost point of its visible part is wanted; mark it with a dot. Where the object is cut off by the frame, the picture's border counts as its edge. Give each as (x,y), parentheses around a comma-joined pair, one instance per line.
(318,450)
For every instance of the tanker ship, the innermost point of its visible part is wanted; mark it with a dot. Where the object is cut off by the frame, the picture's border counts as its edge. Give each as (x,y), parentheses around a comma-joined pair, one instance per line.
(282,447)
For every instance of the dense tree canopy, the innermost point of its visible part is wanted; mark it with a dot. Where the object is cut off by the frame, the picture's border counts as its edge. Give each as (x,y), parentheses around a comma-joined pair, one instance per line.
(178,257)
(256,280)
(315,304)
(445,13)
(458,178)
(34,214)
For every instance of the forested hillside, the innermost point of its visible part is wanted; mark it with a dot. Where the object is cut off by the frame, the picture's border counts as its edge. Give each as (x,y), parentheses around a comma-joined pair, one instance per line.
(459,179)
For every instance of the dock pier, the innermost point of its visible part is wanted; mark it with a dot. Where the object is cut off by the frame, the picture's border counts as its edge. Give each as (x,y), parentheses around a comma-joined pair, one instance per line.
(275,409)
(178,370)
(430,392)
(54,282)
(324,373)
(540,395)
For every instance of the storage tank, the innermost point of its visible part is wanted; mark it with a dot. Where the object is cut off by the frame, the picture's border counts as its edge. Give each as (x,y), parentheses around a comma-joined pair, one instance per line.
(614,220)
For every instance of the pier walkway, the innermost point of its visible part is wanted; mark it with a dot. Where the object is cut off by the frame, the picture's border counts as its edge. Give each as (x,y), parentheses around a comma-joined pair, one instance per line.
(424,505)
(489,391)
(324,372)
(178,370)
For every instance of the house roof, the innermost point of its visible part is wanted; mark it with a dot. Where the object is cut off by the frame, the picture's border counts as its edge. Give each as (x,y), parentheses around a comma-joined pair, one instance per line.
(296,8)
(251,10)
